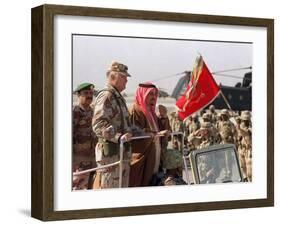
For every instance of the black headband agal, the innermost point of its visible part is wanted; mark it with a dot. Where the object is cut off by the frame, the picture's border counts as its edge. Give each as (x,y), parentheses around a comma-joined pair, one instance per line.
(147,85)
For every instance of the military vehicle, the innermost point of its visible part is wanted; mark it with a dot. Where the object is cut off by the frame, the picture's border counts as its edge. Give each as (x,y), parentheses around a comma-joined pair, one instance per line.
(213,164)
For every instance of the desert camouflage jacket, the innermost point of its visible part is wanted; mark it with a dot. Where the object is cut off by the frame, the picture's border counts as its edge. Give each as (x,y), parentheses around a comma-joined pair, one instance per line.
(111,116)
(226,129)
(83,134)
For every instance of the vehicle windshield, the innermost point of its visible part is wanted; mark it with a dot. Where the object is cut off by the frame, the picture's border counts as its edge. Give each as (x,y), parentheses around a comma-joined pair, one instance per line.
(218,166)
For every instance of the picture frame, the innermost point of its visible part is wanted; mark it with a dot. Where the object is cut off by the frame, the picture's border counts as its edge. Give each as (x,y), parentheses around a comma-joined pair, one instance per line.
(43,108)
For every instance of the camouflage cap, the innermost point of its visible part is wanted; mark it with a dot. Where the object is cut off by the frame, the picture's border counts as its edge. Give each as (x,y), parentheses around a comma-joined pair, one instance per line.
(84,86)
(205,116)
(245,116)
(118,67)
(237,117)
(212,107)
(246,112)
(224,112)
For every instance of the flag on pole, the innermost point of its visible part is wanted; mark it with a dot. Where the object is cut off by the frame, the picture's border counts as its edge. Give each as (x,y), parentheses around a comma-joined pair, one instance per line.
(201,90)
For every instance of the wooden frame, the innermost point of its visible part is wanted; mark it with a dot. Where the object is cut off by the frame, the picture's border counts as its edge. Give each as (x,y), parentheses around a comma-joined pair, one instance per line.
(43,108)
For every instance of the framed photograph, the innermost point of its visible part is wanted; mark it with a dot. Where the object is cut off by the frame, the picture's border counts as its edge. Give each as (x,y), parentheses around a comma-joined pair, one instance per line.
(212,76)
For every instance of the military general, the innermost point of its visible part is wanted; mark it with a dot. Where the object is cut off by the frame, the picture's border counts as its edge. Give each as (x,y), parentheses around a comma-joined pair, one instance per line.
(111,124)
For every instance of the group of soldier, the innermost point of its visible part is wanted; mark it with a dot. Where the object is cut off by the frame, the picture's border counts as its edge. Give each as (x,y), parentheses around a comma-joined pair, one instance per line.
(100,126)
(210,127)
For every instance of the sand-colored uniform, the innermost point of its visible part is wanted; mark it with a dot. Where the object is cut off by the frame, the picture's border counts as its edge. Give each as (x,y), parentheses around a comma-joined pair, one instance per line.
(245,151)
(193,126)
(177,126)
(84,141)
(110,122)
(226,131)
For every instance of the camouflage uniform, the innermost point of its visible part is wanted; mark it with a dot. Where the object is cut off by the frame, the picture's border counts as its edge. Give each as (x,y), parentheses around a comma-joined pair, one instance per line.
(239,134)
(207,164)
(193,141)
(226,129)
(84,141)
(245,149)
(204,137)
(111,117)
(193,124)
(213,114)
(227,134)
(208,139)
(177,126)
(214,132)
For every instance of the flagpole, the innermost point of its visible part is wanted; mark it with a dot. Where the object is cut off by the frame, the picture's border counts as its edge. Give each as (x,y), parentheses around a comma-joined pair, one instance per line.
(226,101)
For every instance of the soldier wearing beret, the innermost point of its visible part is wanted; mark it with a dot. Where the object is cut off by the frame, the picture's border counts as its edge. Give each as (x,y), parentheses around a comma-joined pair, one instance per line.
(111,124)
(84,139)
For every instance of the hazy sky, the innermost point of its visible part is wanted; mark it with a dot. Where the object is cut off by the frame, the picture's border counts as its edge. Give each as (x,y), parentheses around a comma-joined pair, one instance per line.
(151,59)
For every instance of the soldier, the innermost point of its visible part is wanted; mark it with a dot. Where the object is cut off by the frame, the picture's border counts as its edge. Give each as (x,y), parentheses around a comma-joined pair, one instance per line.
(226,128)
(245,149)
(206,117)
(201,137)
(213,114)
(172,163)
(239,135)
(205,133)
(206,165)
(164,124)
(84,139)
(177,126)
(227,134)
(111,123)
(194,125)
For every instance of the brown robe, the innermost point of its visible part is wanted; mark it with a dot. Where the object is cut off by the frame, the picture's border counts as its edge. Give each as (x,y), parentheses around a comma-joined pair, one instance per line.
(143,152)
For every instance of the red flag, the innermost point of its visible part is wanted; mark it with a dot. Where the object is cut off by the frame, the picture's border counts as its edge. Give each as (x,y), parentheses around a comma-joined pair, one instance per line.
(201,90)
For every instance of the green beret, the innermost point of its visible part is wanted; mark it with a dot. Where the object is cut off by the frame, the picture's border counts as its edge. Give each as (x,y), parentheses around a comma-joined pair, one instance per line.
(84,86)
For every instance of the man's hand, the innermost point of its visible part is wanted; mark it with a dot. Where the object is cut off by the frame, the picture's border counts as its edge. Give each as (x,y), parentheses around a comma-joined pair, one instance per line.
(108,133)
(165,133)
(126,137)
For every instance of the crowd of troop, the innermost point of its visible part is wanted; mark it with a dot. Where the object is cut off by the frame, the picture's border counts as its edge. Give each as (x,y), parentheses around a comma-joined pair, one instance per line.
(100,125)
(210,127)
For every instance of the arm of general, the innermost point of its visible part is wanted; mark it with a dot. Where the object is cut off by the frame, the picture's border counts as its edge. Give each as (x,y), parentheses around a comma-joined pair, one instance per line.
(106,111)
